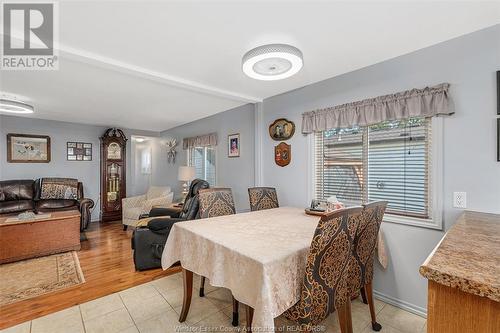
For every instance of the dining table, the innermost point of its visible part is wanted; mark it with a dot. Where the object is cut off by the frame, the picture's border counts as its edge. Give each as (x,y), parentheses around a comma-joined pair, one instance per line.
(259,256)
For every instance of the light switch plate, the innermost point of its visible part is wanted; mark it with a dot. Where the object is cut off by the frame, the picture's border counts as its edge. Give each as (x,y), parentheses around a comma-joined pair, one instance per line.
(460,200)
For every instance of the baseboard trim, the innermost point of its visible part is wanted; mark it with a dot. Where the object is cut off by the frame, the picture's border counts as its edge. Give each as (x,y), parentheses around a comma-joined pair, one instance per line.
(419,311)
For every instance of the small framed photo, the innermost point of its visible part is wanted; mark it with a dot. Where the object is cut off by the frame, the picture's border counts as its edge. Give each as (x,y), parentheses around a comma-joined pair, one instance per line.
(498,93)
(233,145)
(79,151)
(498,139)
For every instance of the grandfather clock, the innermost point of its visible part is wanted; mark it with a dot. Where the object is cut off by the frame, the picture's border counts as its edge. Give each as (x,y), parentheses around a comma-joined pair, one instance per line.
(113,172)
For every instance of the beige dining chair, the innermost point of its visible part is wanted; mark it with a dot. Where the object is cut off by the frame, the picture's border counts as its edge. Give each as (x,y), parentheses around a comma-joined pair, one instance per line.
(363,255)
(325,287)
(262,198)
(217,202)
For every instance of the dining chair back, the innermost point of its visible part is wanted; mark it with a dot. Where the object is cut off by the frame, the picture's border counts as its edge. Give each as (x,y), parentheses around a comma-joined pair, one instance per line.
(363,255)
(325,286)
(262,198)
(216,202)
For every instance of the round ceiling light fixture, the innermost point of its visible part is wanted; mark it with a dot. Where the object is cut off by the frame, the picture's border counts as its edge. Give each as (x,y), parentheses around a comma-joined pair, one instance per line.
(14,106)
(272,62)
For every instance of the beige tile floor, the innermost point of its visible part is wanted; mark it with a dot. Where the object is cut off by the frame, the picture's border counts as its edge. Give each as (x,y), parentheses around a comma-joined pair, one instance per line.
(155,306)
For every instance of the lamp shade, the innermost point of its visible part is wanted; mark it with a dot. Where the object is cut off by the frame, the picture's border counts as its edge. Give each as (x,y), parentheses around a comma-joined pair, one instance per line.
(186,173)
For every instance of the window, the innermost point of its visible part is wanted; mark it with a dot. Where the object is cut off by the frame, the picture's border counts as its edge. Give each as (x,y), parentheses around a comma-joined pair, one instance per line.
(387,161)
(203,159)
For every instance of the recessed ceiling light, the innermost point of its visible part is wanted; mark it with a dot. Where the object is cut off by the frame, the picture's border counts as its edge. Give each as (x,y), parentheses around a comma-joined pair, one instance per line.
(13,106)
(272,62)
(140,140)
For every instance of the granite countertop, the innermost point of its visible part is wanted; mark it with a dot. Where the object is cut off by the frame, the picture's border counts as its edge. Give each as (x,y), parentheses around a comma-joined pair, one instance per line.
(468,256)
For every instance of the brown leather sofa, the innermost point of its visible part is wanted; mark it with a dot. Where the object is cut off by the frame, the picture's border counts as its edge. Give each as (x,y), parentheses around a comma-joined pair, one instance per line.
(17,196)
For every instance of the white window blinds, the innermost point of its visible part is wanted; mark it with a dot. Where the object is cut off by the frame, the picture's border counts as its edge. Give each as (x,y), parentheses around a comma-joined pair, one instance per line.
(387,161)
(203,159)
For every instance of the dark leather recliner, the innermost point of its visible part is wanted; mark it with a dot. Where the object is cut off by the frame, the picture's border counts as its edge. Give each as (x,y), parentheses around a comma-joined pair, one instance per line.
(148,242)
(17,196)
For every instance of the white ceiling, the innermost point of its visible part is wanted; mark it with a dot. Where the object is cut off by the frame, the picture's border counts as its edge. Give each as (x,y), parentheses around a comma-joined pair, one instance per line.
(156,65)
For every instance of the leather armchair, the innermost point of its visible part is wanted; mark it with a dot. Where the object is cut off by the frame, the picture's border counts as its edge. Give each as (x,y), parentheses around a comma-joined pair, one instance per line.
(148,242)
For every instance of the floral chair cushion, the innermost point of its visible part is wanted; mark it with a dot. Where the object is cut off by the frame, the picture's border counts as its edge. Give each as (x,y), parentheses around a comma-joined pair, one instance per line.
(365,240)
(216,202)
(325,285)
(262,198)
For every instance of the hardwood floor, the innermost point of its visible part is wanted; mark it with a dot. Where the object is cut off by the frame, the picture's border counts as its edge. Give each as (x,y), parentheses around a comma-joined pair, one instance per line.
(108,267)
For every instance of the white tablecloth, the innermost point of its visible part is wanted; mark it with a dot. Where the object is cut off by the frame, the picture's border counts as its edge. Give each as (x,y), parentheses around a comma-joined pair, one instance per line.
(260,256)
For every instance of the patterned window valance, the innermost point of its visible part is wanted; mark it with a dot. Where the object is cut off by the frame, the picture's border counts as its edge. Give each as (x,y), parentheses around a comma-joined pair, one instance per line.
(426,102)
(200,141)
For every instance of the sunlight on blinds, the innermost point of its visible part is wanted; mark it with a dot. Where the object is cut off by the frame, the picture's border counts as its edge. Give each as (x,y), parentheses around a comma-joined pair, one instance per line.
(388,161)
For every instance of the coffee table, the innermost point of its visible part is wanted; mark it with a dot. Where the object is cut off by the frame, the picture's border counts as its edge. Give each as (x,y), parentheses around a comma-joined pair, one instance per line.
(59,232)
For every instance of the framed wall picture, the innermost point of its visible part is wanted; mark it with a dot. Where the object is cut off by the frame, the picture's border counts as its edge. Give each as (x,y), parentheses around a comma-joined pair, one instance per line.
(28,148)
(281,129)
(498,93)
(78,151)
(233,145)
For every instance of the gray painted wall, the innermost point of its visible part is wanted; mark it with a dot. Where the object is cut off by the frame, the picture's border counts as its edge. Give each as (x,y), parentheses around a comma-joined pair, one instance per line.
(237,173)
(469,64)
(60,133)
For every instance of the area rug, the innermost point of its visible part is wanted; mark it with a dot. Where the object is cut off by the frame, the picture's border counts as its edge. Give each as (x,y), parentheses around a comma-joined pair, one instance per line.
(34,277)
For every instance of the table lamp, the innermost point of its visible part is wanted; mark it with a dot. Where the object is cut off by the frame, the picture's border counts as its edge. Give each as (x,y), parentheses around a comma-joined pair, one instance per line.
(186,174)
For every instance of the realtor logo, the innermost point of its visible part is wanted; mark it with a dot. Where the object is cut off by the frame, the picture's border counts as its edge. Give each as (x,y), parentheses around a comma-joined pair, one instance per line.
(29,31)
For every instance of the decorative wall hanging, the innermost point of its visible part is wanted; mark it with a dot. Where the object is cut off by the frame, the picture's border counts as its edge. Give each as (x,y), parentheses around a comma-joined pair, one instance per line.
(27,148)
(281,129)
(282,154)
(172,153)
(498,93)
(78,151)
(233,145)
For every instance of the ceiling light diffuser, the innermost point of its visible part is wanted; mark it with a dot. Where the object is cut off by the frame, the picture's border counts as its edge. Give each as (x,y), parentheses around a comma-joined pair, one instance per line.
(272,62)
(13,106)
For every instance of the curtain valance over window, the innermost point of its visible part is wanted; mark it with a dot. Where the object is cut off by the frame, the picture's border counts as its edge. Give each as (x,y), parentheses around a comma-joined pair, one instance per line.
(426,102)
(200,141)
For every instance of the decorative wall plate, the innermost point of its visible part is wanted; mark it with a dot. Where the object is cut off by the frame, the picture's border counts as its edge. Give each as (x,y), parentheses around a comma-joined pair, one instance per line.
(281,129)
(283,154)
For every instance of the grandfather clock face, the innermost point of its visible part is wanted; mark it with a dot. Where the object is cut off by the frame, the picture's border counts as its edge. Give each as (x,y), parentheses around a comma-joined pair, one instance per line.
(114,151)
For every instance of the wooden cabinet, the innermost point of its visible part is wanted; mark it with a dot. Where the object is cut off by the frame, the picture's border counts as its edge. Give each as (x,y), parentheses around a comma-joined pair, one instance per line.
(113,174)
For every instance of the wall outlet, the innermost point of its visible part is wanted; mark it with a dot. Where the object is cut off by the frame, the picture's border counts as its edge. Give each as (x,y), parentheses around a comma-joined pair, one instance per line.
(460,200)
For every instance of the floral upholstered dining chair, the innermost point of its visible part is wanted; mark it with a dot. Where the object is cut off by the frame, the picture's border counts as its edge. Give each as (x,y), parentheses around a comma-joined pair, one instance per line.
(325,287)
(217,202)
(363,255)
(262,198)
